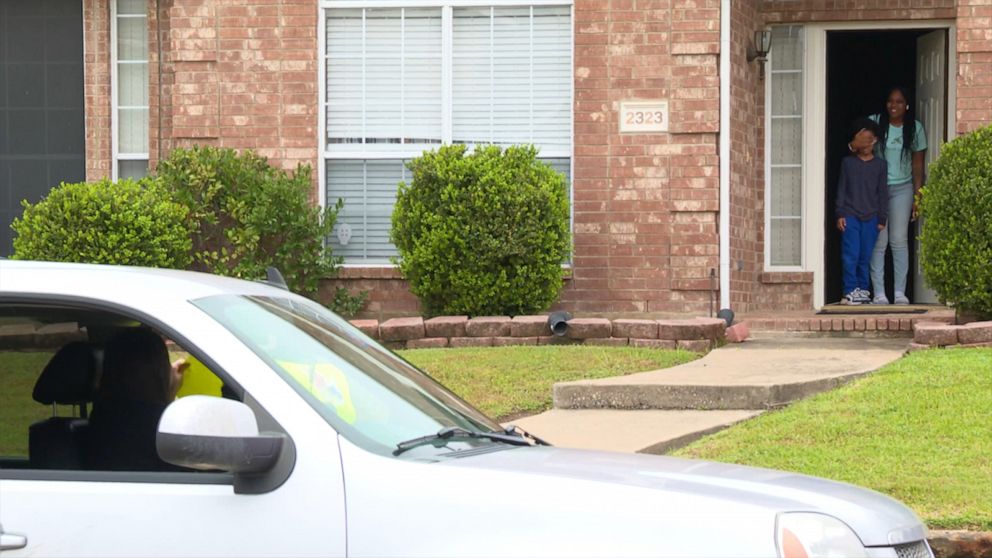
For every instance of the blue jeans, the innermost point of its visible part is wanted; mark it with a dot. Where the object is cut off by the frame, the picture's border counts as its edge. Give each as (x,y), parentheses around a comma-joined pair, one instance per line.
(896,235)
(856,243)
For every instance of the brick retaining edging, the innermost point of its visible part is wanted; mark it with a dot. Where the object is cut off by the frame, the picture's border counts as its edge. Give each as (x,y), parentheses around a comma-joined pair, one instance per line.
(927,335)
(694,334)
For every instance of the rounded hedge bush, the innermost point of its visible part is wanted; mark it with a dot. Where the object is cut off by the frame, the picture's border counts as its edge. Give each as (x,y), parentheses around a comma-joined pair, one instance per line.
(247,215)
(956,241)
(123,223)
(483,233)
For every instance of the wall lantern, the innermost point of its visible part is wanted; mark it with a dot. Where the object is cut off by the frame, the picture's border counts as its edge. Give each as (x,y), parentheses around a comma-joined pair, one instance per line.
(758,50)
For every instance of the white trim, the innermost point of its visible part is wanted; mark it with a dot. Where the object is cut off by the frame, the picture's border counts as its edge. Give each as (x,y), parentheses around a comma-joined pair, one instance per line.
(369,265)
(411,150)
(952,82)
(724,224)
(571,139)
(814,146)
(115,155)
(814,142)
(332,4)
(768,167)
(322,106)
(114,119)
(447,74)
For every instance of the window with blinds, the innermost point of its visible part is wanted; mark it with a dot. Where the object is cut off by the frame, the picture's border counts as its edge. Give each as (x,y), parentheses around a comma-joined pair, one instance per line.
(130,84)
(403,80)
(384,76)
(512,75)
(784,182)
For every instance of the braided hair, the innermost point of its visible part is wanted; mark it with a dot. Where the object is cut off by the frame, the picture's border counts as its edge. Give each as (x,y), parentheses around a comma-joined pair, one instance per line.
(908,124)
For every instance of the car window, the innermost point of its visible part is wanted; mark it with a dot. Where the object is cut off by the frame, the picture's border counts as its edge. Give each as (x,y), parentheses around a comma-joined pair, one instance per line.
(19,370)
(73,396)
(367,393)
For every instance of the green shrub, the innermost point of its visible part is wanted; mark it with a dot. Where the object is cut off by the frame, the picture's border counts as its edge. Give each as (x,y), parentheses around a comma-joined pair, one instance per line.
(247,215)
(956,241)
(482,234)
(124,223)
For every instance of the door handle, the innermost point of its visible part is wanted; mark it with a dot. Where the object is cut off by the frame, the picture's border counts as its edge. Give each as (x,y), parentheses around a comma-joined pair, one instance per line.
(11,541)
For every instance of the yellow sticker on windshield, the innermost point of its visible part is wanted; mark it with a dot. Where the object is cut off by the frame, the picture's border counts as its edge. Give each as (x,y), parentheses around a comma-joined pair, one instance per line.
(327,384)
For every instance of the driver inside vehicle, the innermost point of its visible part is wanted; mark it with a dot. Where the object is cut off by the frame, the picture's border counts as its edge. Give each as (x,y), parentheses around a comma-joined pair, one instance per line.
(137,384)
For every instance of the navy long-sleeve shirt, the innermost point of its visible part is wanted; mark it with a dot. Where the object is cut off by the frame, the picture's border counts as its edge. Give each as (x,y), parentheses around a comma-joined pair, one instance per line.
(863,189)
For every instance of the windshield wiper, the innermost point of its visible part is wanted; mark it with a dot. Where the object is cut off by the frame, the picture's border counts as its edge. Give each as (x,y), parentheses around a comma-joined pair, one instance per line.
(512,435)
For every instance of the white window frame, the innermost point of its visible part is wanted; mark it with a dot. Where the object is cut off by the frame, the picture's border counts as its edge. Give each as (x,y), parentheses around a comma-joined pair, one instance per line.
(803,217)
(349,151)
(116,156)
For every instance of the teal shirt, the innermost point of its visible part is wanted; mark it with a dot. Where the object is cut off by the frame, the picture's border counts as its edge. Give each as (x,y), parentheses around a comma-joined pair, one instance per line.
(900,168)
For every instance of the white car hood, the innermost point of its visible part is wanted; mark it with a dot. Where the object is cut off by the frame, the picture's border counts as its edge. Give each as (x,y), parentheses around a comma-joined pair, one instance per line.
(878,520)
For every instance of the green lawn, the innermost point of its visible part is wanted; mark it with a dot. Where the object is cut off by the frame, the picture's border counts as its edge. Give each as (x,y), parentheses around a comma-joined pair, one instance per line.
(508,382)
(919,430)
(17,410)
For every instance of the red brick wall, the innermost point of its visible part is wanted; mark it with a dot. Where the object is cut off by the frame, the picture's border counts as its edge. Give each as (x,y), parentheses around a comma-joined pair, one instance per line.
(96,87)
(242,74)
(645,205)
(788,11)
(746,161)
(974,79)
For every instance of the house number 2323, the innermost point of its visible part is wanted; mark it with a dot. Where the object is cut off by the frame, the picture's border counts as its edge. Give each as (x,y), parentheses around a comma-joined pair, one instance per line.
(643,116)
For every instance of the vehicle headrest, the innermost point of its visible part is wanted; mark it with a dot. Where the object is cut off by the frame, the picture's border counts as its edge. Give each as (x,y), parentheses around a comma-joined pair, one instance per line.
(68,378)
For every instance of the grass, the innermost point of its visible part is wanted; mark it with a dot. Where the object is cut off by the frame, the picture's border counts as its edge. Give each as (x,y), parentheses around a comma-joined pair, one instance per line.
(18,411)
(919,430)
(509,382)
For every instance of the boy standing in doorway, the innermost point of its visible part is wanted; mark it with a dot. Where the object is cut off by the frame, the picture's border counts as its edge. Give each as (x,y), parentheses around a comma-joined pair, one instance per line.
(862,212)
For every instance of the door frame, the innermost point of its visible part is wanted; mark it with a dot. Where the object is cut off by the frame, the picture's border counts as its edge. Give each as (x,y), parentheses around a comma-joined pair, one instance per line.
(814,140)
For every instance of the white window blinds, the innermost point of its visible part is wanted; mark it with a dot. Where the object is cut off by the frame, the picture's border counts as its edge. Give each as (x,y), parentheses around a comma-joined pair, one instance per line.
(131,84)
(384,76)
(403,80)
(512,75)
(784,237)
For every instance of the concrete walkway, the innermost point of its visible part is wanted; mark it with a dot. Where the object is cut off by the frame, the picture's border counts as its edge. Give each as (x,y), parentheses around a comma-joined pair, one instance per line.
(654,412)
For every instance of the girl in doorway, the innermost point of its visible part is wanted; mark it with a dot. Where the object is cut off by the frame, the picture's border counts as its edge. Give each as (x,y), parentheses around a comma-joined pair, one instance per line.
(902,142)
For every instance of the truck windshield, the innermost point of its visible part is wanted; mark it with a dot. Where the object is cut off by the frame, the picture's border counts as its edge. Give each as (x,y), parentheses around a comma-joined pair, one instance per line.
(367,393)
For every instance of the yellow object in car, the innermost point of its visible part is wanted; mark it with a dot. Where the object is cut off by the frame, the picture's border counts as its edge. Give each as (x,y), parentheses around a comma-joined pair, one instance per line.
(327,384)
(199,380)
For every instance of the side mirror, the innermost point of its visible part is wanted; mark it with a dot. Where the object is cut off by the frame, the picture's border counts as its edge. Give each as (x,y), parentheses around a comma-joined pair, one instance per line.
(210,433)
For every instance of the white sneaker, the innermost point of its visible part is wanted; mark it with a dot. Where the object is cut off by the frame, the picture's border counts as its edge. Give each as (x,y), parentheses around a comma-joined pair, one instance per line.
(863,296)
(880,299)
(851,299)
(900,298)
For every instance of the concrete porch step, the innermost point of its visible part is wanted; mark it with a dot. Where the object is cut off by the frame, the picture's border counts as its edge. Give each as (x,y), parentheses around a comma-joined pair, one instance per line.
(762,373)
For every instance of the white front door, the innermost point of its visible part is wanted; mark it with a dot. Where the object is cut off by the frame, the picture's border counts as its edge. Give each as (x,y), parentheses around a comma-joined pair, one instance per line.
(931,93)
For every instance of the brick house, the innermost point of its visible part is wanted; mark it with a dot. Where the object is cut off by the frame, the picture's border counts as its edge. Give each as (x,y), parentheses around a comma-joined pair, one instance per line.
(694,170)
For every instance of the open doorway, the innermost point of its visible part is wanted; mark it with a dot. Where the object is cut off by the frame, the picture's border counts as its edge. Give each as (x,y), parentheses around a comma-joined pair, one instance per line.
(861,66)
